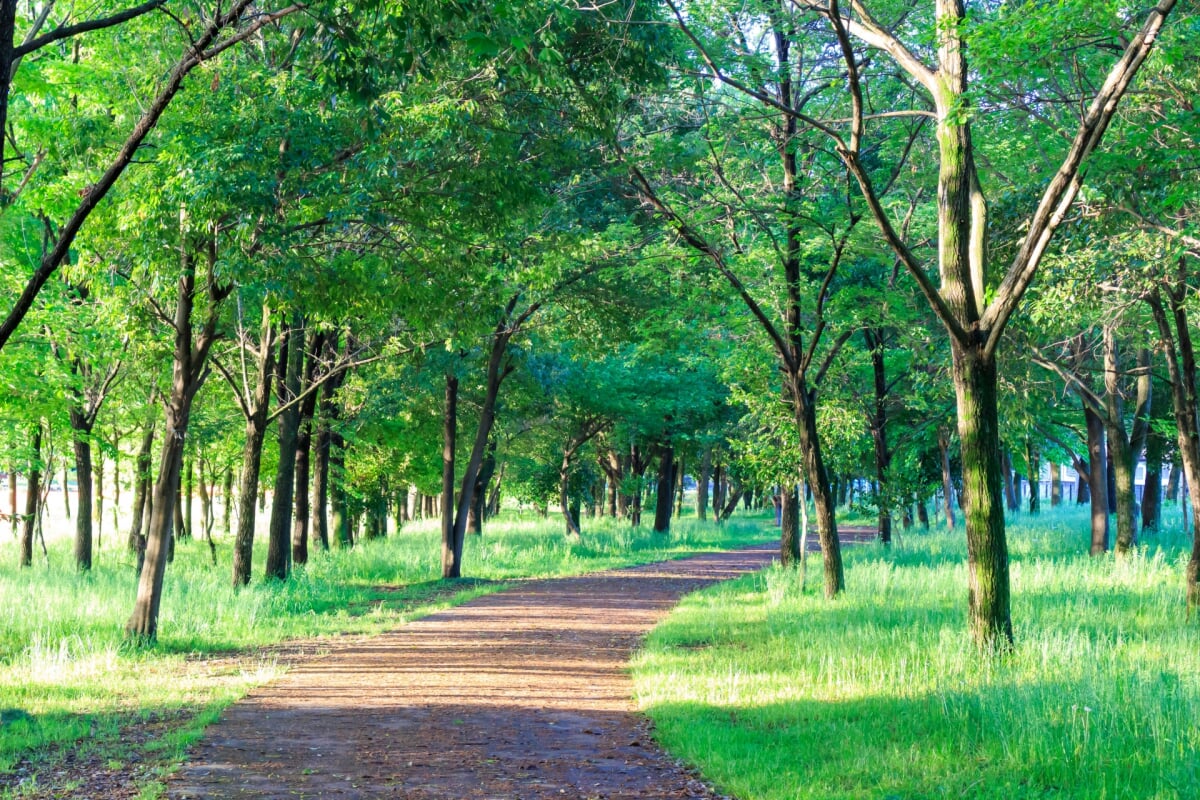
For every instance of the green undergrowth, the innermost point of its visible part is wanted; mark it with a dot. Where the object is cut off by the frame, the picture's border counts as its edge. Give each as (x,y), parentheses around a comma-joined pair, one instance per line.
(775,692)
(67,678)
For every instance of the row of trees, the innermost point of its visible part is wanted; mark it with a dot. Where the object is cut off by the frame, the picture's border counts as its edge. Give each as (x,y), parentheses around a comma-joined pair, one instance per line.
(556,249)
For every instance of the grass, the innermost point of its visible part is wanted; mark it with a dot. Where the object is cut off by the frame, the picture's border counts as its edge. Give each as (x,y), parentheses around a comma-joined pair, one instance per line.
(68,682)
(774,692)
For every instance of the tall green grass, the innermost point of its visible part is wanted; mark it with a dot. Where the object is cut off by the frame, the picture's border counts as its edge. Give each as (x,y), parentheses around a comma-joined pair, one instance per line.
(67,677)
(775,692)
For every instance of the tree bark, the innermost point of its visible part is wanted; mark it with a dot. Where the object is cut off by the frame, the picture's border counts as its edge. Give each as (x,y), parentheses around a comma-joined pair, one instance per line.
(255,410)
(1097,480)
(451,544)
(665,495)
(340,522)
(1055,485)
(947,481)
(702,485)
(1035,473)
(877,422)
(1176,337)
(33,493)
(288,378)
(81,432)
(987,547)
(1152,488)
(478,507)
(189,371)
(789,528)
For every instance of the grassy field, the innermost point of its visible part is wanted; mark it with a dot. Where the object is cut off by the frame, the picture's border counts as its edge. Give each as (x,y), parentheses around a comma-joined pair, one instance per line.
(68,684)
(775,692)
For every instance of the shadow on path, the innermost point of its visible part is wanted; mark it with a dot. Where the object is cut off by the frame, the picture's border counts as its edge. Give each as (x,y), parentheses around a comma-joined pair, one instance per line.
(519,695)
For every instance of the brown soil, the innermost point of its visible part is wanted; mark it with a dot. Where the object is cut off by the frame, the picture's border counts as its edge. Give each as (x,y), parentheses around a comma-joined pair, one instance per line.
(517,695)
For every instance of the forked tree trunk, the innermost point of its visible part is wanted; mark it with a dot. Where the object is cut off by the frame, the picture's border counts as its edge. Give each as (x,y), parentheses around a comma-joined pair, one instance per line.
(189,371)
(817,479)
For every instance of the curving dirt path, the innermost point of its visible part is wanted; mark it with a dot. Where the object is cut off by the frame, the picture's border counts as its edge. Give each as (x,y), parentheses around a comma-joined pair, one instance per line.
(517,695)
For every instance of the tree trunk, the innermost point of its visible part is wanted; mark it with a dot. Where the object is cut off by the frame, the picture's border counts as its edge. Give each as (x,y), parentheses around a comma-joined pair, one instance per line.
(878,427)
(665,496)
(1055,485)
(340,523)
(486,470)
(188,477)
(451,545)
(288,378)
(804,409)
(1035,474)
(243,543)
(33,493)
(227,500)
(987,546)
(1010,494)
(679,477)
(189,371)
(702,485)
(947,482)
(1097,480)
(570,519)
(1181,368)
(81,442)
(789,527)
(922,513)
(1156,445)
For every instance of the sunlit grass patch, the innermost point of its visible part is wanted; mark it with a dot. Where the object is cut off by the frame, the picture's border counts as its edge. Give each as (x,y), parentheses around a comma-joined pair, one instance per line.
(777,693)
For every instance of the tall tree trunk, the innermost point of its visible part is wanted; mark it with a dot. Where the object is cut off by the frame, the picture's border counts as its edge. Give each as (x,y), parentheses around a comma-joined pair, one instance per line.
(922,513)
(1181,368)
(81,442)
(679,477)
(1097,479)
(451,549)
(665,496)
(33,493)
(875,339)
(189,371)
(702,485)
(287,378)
(256,408)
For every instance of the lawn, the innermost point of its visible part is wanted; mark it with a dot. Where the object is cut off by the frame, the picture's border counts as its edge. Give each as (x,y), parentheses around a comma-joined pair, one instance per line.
(776,693)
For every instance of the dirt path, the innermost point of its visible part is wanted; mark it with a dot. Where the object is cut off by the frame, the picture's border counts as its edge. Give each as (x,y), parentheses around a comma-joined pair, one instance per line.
(517,695)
